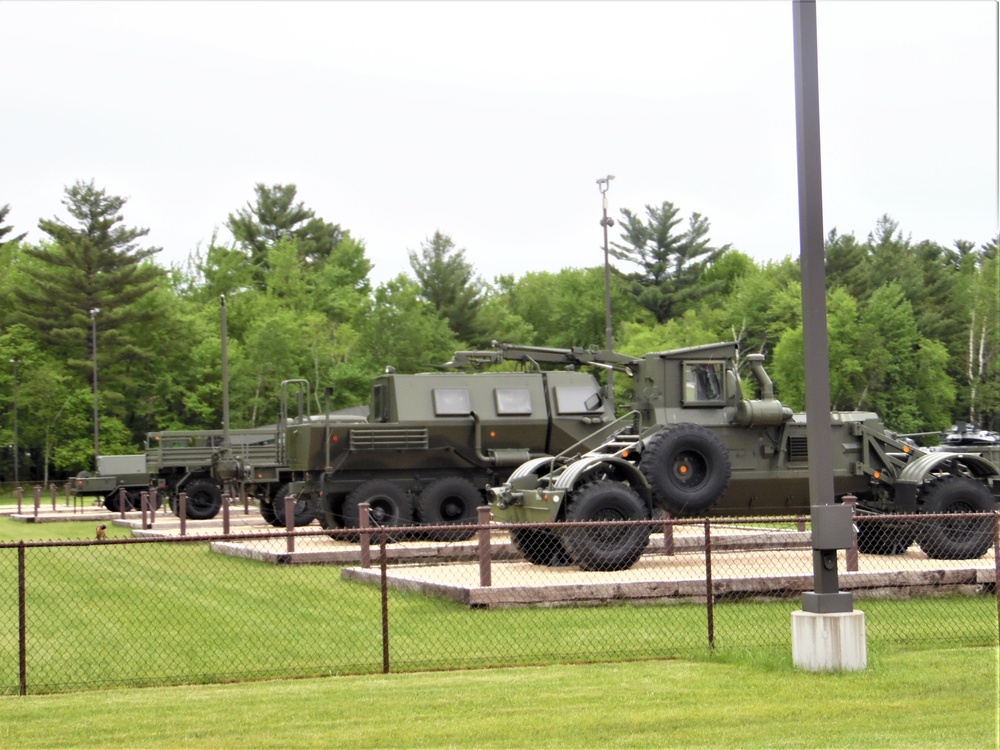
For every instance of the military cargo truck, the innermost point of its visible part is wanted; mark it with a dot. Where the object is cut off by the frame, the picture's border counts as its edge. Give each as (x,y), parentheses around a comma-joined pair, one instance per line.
(114,473)
(435,441)
(692,444)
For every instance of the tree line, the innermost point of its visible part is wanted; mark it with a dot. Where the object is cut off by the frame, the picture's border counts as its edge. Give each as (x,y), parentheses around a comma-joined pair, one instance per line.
(913,325)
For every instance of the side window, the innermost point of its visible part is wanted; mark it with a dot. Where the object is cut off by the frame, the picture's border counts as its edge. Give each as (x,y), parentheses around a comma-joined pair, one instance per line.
(378,401)
(450,402)
(703,383)
(577,399)
(513,401)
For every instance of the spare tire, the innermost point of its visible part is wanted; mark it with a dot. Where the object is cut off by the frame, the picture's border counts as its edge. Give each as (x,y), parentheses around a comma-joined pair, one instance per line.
(687,467)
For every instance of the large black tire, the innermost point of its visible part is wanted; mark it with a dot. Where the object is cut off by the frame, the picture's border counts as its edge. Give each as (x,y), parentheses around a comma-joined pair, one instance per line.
(687,467)
(606,547)
(452,500)
(540,547)
(267,512)
(390,506)
(963,538)
(112,502)
(877,536)
(304,513)
(204,500)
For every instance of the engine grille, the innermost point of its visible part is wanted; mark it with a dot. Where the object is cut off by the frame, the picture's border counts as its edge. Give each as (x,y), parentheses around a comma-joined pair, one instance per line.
(388,440)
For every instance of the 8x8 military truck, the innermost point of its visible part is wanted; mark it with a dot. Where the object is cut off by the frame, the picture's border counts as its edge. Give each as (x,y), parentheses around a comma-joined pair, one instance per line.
(435,441)
(691,444)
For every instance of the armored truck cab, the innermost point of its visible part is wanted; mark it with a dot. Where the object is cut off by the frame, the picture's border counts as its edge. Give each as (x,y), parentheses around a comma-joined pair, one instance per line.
(435,441)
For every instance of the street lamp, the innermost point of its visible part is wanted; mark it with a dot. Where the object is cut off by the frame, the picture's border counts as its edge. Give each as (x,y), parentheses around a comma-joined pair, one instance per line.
(603,183)
(14,388)
(97,428)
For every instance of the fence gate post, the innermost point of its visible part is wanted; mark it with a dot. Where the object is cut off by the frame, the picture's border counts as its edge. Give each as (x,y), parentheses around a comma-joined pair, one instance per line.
(364,523)
(290,522)
(485,568)
(851,555)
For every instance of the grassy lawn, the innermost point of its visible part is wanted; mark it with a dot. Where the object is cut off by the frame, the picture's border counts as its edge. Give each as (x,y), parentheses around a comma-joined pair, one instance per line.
(124,616)
(943,698)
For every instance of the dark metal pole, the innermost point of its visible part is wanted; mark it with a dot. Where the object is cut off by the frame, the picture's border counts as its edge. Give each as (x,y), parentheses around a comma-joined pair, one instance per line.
(817,357)
(97,429)
(16,479)
(603,183)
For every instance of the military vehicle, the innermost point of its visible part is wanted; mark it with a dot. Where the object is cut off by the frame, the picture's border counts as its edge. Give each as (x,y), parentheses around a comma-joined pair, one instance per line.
(691,445)
(202,463)
(435,441)
(114,473)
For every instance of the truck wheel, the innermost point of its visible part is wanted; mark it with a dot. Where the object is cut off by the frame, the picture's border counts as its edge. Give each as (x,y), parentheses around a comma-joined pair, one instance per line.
(606,548)
(304,514)
(540,547)
(267,512)
(963,538)
(389,503)
(111,502)
(876,537)
(452,500)
(687,467)
(204,500)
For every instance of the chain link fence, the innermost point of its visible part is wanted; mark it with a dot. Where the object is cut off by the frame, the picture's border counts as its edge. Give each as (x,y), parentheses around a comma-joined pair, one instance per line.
(162,609)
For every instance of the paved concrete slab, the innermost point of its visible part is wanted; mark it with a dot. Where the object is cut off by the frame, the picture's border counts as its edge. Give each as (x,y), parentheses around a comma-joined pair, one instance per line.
(660,578)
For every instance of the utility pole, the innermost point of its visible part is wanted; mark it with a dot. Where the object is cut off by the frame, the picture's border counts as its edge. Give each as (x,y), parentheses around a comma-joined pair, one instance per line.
(603,183)
(14,388)
(97,428)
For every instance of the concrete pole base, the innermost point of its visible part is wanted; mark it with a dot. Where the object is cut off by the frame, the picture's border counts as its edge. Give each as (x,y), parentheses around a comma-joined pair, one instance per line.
(829,642)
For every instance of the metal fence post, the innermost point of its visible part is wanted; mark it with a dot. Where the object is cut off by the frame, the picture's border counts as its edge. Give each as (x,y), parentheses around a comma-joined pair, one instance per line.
(485,568)
(290,521)
(709,587)
(143,499)
(121,502)
(182,511)
(52,489)
(668,535)
(22,622)
(364,523)
(152,507)
(996,563)
(851,555)
(225,514)
(66,487)
(385,601)
(19,493)
(38,499)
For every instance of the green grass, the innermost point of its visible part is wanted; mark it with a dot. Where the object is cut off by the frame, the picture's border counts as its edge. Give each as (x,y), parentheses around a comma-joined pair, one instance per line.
(921,699)
(158,614)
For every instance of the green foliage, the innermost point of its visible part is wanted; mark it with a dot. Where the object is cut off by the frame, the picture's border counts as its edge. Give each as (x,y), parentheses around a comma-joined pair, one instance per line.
(671,261)
(403,330)
(914,327)
(275,216)
(5,231)
(448,282)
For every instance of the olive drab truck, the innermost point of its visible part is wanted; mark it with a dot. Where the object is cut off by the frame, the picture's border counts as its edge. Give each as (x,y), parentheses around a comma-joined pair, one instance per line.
(435,441)
(692,444)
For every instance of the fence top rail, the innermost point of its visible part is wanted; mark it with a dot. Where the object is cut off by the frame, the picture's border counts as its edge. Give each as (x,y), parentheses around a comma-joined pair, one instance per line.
(375,531)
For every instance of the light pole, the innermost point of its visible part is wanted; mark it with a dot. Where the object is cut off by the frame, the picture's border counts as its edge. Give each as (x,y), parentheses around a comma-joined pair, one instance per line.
(603,183)
(97,423)
(16,478)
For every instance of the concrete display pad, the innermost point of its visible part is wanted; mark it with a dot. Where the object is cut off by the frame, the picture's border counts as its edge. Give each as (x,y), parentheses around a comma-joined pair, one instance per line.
(657,578)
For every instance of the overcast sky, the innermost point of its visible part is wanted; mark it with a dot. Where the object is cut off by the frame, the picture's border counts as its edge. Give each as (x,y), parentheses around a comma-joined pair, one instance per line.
(491,121)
